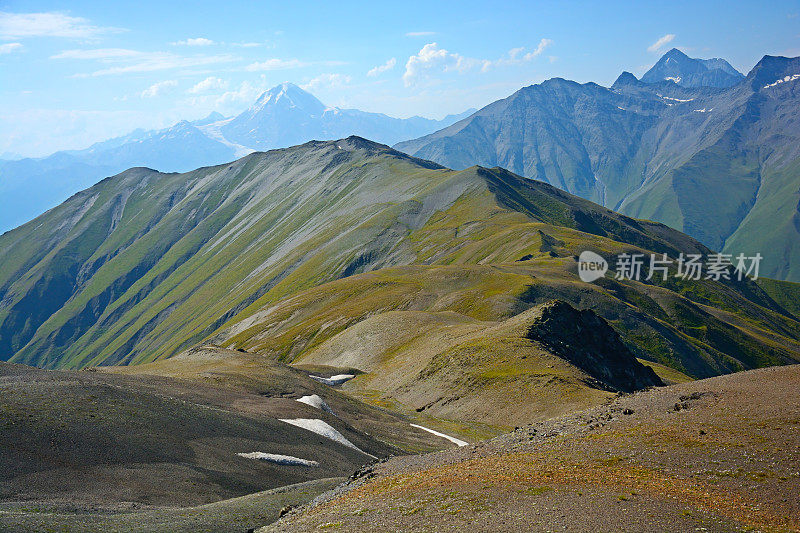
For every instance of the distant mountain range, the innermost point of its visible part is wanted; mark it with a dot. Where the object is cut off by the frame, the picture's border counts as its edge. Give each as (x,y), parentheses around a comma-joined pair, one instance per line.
(287,115)
(283,116)
(693,144)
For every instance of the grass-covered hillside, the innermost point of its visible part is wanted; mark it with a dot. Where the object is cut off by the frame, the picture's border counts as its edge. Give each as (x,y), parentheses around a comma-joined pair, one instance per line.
(279,252)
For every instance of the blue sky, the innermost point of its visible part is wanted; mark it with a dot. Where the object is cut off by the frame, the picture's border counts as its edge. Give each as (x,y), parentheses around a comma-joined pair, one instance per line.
(72,73)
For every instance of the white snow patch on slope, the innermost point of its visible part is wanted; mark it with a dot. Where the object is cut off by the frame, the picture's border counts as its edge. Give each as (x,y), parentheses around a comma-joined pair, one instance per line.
(457,442)
(704,110)
(315,401)
(676,79)
(675,99)
(783,80)
(287,460)
(320,427)
(338,379)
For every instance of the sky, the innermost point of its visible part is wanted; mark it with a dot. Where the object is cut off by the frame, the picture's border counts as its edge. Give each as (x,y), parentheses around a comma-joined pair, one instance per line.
(78,72)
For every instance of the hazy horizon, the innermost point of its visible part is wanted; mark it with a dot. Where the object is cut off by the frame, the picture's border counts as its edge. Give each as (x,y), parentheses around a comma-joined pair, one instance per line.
(79,73)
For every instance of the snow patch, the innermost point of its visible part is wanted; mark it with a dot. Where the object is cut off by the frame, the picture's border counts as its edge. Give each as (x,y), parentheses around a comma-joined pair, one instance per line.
(704,110)
(287,460)
(675,99)
(457,442)
(320,427)
(338,379)
(676,79)
(315,401)
(783,80)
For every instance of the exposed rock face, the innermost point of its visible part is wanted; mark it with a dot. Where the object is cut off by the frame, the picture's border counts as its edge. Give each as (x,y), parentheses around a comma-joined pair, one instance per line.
(588,342)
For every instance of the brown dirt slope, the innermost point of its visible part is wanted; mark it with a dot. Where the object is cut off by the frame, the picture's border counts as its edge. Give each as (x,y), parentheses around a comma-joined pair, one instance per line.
(721,454)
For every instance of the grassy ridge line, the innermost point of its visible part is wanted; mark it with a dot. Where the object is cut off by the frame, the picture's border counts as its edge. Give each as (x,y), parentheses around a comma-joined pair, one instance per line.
(244,237)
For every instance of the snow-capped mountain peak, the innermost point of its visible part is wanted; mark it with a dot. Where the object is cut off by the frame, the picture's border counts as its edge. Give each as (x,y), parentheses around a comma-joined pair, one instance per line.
(288,95)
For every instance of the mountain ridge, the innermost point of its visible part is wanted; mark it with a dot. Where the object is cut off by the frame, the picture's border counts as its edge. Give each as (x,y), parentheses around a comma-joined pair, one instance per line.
(144,265)
(657,151)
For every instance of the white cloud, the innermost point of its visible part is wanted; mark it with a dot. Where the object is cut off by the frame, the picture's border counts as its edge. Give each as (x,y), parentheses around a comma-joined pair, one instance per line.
(515,52)
(389,65)
(9,48)
(159,88)
(432,58)
(518,55)
(100,54)
(274,64)
(198,41)
(49,24)
(420,33)
(327,81)
(154,61)
(544,43)
(245,93)
(124,61)
(664,39)
(207,85)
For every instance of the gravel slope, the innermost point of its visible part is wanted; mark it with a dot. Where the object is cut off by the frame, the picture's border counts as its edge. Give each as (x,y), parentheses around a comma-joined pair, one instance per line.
(721,454)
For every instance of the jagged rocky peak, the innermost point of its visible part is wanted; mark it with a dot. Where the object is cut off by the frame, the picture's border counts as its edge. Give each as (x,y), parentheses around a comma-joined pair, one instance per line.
(687,71)
(626,78)
(773,71)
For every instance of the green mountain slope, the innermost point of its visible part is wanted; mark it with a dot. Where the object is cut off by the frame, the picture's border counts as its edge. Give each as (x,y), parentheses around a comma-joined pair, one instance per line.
(718,163)
(144,265)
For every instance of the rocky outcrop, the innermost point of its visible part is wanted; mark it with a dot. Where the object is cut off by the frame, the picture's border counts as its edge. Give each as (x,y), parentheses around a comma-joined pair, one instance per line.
(590,343)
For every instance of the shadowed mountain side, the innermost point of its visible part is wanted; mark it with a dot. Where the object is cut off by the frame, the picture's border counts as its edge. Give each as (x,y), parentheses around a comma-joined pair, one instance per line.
(242,514)
(588,342)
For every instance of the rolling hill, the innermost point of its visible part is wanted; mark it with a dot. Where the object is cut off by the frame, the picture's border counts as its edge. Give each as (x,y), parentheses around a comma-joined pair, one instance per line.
(225,342)
(197,442)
